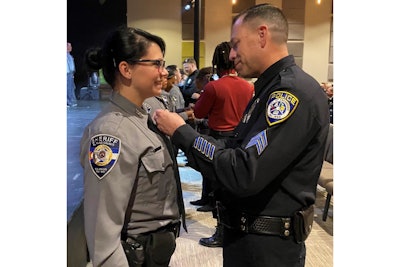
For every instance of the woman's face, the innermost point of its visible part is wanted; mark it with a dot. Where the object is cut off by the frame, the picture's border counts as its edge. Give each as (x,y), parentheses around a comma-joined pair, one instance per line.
(148,77)
(178,76)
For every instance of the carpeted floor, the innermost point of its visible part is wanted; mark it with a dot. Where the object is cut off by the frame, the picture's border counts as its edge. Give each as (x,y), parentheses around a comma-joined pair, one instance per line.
(201,224)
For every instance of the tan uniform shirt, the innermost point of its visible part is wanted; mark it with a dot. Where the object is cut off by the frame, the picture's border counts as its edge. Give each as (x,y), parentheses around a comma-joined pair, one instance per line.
(117,147)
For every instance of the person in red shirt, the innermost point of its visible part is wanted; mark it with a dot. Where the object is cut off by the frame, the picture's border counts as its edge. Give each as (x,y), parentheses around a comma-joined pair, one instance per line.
(223,102)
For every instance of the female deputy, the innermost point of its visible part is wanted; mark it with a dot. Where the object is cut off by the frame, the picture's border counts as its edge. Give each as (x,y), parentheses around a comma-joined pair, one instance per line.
(132,192)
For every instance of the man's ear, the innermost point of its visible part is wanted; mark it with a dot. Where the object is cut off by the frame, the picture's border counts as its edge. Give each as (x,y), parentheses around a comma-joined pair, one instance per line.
(125,70)
(262,34)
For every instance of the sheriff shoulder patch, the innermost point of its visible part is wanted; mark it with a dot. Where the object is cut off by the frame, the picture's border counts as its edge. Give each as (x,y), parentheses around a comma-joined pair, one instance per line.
(260,141)
(280,106)
(103,153)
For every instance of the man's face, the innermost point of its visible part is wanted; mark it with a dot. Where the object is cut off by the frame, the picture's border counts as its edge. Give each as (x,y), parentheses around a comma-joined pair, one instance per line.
(329,91)
(244,43)
(188,68)
(69,47)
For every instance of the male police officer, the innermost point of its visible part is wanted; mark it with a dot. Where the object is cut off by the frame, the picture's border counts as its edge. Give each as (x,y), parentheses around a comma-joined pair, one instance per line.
(268,174)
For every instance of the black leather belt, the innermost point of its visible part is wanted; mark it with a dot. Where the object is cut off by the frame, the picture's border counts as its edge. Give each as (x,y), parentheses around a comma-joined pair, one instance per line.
(141,238)
(261,224)
(221,133)
(174,228)
(267,225)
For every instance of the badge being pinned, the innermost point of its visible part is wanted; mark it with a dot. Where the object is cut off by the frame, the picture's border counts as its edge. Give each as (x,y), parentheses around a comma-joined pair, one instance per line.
(280,106)
(103,153)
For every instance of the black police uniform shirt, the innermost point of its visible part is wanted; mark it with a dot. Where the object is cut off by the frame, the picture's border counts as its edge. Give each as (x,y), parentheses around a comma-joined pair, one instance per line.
(330,102)
(118,147)
(272,165)
(189,88)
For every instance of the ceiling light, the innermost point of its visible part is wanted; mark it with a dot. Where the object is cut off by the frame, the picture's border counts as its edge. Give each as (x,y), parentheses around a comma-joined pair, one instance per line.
(189,5)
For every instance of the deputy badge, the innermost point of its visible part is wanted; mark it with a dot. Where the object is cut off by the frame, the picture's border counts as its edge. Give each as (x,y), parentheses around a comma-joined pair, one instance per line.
(260,141)
(103,153)
(280,106)
(146,107)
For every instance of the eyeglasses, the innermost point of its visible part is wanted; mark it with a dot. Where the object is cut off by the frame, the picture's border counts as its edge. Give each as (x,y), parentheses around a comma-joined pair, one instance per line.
(156,62)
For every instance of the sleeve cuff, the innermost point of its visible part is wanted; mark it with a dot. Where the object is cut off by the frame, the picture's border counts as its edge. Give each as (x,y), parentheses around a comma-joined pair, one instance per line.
(184,136)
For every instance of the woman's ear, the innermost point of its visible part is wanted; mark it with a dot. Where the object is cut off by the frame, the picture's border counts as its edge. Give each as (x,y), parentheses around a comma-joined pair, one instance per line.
(125,70)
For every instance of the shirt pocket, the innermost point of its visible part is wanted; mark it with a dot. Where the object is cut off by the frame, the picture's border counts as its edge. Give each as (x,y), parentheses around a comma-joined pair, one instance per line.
(157,171)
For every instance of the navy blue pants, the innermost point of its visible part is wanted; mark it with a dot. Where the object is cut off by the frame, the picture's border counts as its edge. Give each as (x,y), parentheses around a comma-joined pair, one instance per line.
(252,250)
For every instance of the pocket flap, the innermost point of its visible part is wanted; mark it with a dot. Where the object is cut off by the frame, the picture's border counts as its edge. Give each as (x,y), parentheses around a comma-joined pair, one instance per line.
(156,161)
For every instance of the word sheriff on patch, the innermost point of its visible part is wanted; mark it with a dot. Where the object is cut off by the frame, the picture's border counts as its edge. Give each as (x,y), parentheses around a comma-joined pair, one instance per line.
(104,140)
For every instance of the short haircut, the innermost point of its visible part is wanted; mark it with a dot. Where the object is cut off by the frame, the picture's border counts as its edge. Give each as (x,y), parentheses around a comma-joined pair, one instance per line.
(189,60)
(272,16)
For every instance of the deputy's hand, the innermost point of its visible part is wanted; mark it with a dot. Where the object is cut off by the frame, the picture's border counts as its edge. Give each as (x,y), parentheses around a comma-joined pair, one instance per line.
(190,114)
(195,96)
(167,121)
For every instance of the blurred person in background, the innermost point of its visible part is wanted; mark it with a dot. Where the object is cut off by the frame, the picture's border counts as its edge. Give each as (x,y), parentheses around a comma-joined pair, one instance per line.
(189,86)
(71,97)
(223,102)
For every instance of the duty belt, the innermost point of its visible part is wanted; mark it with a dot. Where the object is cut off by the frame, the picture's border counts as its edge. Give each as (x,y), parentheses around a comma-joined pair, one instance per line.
(141,238)
(221,133)
(267,225)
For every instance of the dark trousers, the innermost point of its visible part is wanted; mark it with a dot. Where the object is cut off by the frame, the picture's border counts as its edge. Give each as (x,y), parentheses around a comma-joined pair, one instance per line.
(210,187)
(252,250)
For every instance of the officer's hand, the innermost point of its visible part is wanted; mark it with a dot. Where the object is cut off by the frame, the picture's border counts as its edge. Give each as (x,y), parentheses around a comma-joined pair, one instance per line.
(167,121)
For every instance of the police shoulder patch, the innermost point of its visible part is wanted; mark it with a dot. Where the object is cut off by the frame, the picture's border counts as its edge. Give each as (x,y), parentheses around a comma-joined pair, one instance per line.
(103,153)
(280,106)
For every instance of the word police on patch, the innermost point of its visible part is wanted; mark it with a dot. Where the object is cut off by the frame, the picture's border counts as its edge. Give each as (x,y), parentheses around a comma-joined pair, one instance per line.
(280,106)
(103,153)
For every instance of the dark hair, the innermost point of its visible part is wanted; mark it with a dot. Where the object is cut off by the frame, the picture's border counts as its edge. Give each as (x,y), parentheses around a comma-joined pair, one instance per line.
(221,57)
(272,15)
(91,58)
(171,70)
(203,72)
(123,44)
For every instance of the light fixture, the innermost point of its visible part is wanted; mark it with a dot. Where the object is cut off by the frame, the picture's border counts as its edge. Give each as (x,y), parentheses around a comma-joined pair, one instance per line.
(233,2)
(189,5)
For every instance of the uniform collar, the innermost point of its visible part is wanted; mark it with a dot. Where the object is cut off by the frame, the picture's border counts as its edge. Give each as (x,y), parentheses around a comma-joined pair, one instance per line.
(127,105)
(269,74)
